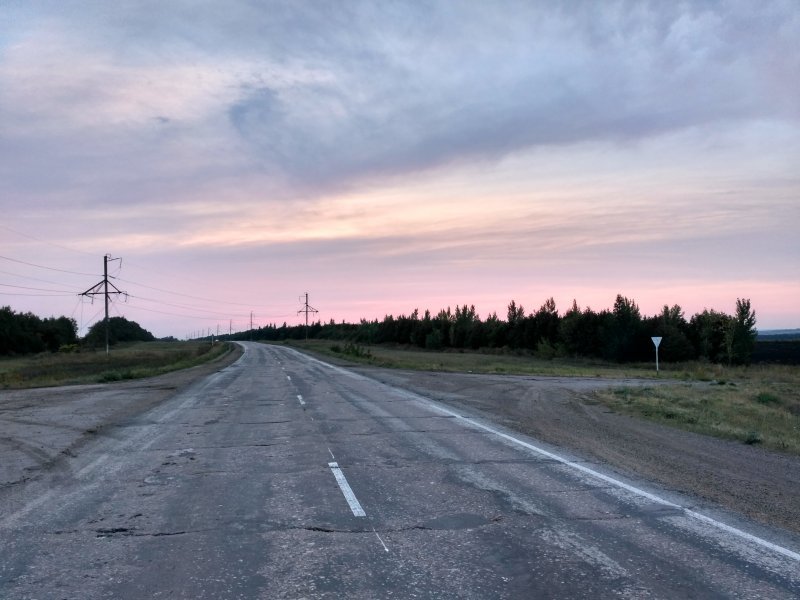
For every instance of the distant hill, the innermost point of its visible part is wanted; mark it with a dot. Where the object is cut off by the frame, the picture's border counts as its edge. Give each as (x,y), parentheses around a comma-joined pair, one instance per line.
(779,335)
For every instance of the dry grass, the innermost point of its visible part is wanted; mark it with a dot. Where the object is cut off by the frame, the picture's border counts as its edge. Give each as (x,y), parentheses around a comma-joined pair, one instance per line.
(126,361)
(511,363)
(755,405)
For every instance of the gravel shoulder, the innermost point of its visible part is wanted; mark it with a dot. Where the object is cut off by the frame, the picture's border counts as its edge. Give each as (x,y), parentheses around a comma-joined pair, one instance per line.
(760,484)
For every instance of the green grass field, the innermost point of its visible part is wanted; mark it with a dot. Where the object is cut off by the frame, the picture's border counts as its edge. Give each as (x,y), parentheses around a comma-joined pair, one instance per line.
(758,404)
(126,361)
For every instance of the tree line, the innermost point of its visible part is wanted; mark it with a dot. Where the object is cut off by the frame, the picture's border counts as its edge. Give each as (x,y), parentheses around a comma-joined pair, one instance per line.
(619,334)
(26,333)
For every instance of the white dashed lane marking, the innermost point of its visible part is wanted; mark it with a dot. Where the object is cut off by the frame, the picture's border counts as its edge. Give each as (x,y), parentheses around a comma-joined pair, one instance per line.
(355,506)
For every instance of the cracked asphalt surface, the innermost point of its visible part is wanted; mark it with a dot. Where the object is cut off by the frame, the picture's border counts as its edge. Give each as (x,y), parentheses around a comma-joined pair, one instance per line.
(227,488)
(758,483)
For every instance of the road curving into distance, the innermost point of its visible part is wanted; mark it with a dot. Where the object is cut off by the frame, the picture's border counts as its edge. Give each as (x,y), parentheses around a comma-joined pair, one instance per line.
(281,476)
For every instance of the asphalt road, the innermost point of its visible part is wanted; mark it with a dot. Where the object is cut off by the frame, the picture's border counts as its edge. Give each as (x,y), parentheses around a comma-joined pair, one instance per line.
(283,477)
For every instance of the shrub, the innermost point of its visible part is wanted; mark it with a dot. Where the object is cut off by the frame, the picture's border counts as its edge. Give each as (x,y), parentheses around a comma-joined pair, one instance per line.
(352,349)
(753,437)
(545,350)
(767,398)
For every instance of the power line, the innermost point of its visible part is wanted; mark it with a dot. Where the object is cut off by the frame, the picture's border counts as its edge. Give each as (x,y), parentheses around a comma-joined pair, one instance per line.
(194,308)
(36,295)
(24,287)
(31,278)
(202,299)
(211,300)
(22,262)
(172,314)
(102,289)
(32,237)
(148,268)
(93,319)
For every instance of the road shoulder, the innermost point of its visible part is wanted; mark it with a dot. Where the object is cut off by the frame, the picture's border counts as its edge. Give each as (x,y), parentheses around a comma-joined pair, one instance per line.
(42,428)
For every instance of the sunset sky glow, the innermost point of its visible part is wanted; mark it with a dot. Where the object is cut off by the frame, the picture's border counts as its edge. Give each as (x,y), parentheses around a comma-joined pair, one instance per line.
(391,156)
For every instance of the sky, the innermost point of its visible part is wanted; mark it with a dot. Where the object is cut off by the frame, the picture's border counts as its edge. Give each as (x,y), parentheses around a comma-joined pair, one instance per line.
(387,156)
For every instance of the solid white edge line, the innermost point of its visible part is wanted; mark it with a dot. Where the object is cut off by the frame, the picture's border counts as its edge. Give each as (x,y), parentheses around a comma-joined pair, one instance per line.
(621,484)
(355,506)
(578,467)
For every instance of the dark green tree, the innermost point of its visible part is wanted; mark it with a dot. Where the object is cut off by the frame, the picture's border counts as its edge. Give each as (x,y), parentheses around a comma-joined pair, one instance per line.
(495,331)
(569,331)
(25,333)
(547,322)
(622,331)
(120,329)
(422,330)
(463,325)
(515,335)
(440,336)
(58,332)
(740,336)
(672,327)
(707,332)
(387,330)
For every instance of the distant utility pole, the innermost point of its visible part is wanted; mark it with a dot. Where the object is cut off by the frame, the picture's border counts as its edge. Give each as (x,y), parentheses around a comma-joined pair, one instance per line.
(95,290)
(307,309)
(251,325)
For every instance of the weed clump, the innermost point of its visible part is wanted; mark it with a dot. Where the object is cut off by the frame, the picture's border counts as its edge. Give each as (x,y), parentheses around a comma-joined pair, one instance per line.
(354,350)
(767,398)
(753,437)
(111,376)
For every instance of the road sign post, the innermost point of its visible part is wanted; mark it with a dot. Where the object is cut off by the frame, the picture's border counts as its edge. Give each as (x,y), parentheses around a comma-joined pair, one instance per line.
(656,343)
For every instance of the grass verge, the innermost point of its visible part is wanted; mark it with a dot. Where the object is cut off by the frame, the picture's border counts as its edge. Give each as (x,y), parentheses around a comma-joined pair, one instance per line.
(510,363)
(505,362)
(760,406)
(126,361)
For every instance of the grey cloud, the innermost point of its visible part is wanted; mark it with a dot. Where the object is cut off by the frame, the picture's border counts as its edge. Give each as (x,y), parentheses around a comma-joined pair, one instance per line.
(479,84)
(411,86)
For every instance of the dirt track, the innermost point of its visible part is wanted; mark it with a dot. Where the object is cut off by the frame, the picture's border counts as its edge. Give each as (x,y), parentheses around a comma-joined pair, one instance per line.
(41,428)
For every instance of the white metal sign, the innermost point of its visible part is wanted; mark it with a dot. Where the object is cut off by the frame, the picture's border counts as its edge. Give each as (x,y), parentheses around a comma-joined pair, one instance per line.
(656,343)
